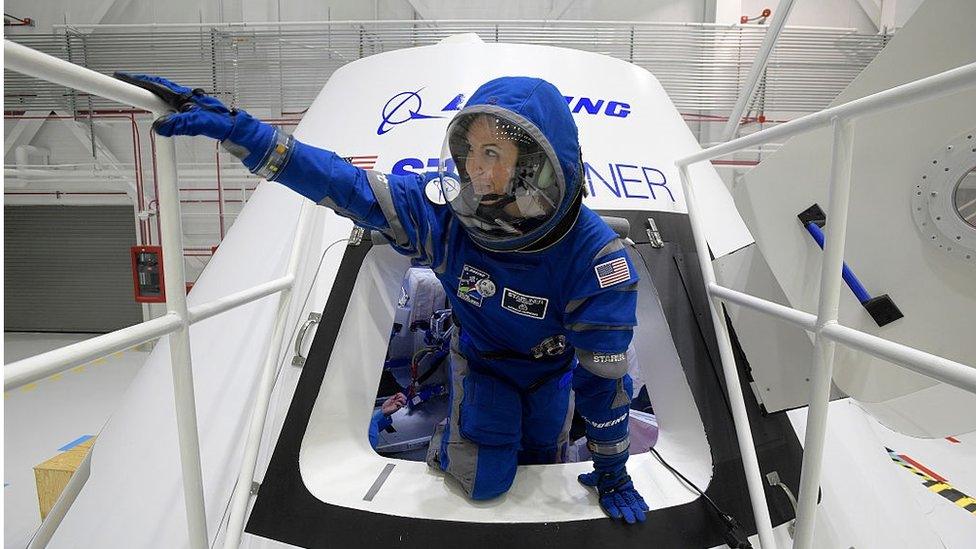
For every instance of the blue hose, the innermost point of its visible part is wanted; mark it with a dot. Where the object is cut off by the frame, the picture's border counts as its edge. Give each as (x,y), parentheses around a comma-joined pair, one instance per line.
(855,285)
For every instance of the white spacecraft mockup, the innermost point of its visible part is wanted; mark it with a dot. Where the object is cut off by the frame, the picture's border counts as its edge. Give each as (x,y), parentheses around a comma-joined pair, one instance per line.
(325,486)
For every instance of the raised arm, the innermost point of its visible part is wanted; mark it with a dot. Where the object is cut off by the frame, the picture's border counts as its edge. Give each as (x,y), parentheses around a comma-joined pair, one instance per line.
(393,205)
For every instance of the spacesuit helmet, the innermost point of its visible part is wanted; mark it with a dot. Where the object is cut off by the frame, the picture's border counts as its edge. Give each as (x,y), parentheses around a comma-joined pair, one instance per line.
(509,167)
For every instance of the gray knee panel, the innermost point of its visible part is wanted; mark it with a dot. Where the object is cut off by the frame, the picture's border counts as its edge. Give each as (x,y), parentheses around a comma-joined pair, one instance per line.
(606,365)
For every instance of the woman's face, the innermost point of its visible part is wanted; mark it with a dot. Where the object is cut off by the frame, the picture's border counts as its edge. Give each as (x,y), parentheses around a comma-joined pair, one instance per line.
(490,161)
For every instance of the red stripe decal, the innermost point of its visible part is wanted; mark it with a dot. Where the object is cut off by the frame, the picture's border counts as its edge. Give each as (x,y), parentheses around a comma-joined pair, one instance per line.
(923,468)
(953,440)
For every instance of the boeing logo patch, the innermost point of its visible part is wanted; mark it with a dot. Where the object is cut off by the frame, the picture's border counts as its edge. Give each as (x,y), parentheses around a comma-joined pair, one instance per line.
(525,305)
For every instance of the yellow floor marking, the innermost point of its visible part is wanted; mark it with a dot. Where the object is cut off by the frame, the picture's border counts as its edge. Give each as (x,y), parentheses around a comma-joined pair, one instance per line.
(29,387)
(99,361)
(78,369)
(939,487)
(56,376)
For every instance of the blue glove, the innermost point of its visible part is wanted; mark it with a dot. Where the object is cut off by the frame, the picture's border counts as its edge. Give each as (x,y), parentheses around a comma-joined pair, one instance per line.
(618,497)
(200,114)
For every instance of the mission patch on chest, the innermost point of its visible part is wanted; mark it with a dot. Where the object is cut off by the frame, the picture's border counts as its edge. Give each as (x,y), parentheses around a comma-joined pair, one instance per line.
(474,285)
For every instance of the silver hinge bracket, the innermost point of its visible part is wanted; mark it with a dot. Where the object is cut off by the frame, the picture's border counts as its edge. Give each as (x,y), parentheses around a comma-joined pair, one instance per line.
(653,235)
(356,237)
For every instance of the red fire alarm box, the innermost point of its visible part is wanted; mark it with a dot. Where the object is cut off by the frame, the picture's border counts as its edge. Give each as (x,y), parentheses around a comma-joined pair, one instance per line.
(147,274)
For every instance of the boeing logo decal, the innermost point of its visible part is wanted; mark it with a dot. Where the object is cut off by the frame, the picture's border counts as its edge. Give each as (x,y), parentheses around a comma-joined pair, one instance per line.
(406,106)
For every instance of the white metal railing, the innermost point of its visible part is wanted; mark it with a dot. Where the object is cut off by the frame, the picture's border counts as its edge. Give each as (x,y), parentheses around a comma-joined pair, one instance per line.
(824,324)
(178,318)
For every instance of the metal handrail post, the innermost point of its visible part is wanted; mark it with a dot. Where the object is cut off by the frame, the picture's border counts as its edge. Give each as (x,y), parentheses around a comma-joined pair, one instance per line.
(40,65)
(743,431)
(262,397)
(762,57)
(179,342)
(839,187)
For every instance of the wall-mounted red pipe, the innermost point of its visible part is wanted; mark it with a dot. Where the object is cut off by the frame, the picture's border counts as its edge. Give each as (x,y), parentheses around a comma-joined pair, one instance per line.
(140,174)
(136,164)
(152,144)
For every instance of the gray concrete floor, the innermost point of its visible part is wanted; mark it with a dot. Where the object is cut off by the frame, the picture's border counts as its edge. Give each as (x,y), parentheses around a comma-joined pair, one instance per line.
(47,415)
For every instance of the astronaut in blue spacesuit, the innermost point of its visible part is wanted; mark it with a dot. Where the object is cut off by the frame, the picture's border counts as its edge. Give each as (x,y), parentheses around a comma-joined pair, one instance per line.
(542,289)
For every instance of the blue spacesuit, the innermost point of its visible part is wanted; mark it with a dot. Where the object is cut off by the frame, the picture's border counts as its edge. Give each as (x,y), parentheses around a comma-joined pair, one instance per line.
(542,289)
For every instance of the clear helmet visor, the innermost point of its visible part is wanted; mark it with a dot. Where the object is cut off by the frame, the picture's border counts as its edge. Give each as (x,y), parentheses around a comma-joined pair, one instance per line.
(500,181)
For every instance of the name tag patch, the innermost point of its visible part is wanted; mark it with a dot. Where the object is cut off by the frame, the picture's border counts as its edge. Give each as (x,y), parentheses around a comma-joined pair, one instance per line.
(525,305)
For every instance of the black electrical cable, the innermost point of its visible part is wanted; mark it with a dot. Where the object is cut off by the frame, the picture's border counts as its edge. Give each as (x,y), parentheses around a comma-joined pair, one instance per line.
(735,536)
(684,479)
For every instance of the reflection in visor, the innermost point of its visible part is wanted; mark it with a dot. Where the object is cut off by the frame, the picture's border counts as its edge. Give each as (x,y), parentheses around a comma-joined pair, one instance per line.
(450,188)
(498,179)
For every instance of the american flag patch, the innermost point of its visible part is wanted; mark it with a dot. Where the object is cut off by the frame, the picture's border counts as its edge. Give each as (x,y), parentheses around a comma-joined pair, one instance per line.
(364,162)
(612,272)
